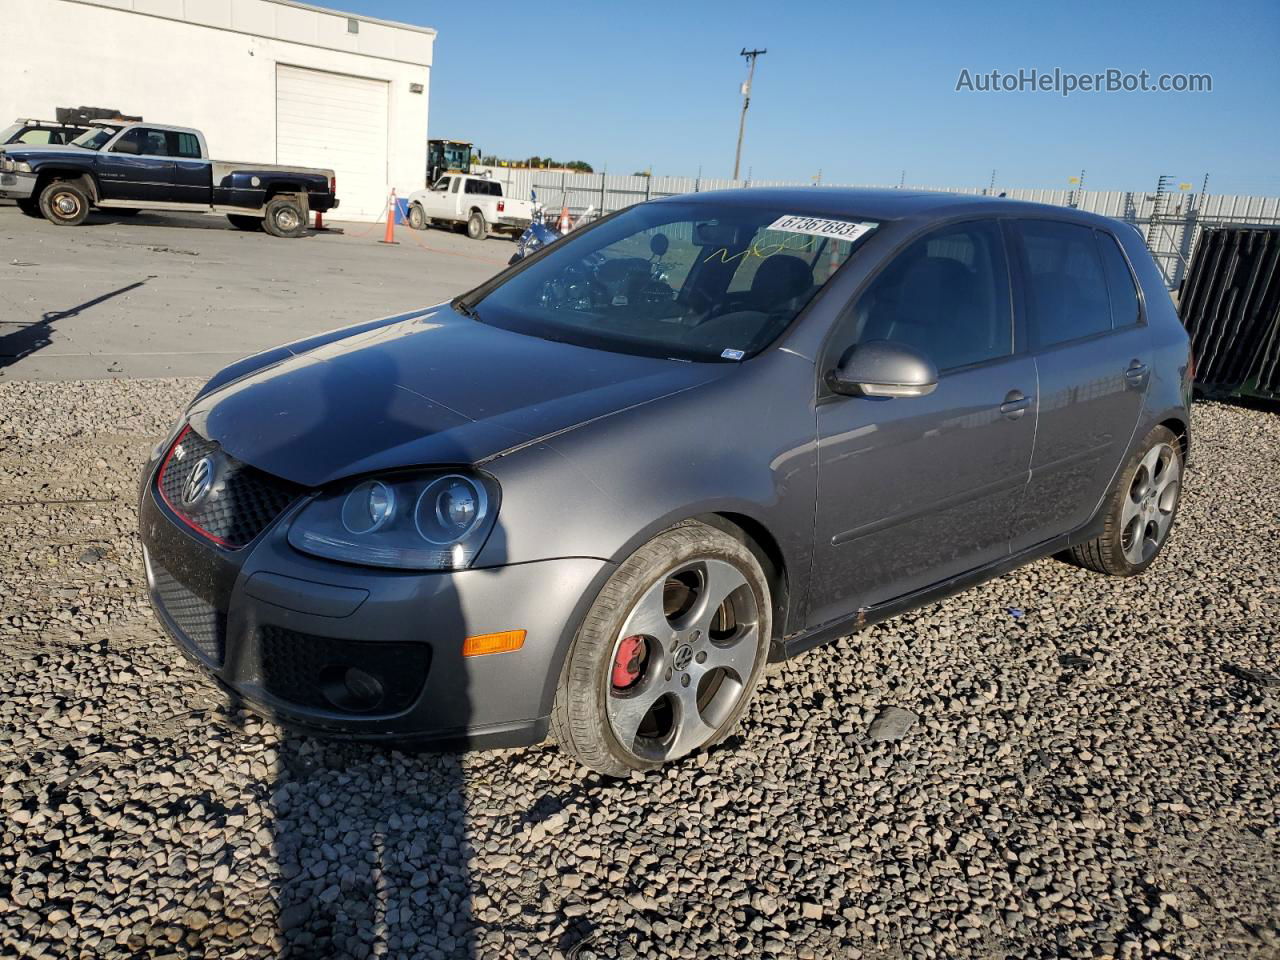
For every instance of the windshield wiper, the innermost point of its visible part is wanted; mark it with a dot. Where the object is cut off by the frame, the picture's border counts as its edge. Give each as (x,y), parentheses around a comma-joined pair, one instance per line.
(466,309)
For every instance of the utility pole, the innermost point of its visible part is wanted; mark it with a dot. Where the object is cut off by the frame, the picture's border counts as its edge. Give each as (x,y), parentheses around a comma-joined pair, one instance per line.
(746,102)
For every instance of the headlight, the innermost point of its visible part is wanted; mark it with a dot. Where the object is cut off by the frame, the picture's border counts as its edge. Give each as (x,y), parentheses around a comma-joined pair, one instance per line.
(9,165)
(431,522)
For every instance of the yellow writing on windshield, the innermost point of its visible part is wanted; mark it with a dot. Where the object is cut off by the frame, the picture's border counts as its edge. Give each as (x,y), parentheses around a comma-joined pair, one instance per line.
(759,248)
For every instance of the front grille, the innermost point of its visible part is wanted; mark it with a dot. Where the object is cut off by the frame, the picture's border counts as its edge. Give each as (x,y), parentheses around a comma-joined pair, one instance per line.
(240,500)
(203,626)
(314,671)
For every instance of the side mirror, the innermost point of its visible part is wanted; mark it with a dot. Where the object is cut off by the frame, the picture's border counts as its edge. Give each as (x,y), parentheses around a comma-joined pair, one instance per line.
(884,368)
(126,146)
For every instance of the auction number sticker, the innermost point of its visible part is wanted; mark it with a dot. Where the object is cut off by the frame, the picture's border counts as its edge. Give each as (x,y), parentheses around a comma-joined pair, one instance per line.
(817,227)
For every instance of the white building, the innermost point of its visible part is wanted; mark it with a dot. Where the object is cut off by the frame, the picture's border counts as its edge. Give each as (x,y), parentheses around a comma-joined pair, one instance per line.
(268,81)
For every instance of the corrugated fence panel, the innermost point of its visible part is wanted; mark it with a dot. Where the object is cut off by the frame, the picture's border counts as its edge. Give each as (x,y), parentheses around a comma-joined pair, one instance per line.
(1170,222)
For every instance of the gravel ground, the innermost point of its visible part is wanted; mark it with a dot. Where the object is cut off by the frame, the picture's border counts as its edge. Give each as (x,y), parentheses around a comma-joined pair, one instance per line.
(1084,776)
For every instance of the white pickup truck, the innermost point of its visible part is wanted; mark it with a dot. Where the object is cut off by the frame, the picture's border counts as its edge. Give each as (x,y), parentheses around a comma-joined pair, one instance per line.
(476,201)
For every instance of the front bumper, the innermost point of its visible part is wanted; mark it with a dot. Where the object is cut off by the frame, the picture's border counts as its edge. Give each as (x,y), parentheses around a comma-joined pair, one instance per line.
(17,186)
(283,631)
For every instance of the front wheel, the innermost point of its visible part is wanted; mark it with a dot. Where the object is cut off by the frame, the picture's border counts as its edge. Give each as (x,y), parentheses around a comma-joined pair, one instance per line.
(417,219)
(667,659)
(476,227)
(1140,510)
(283,218)
(65,203)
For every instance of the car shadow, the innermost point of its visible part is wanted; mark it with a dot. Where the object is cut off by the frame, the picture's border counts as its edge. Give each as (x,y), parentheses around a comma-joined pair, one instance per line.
(35,336)
(368,845)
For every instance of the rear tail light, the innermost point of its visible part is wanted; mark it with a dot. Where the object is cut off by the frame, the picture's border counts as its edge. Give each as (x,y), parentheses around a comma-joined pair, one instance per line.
(333,185)
(502,205)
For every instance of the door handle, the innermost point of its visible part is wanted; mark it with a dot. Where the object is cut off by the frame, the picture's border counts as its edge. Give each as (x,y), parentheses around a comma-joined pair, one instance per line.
(1136,375)
(1015,404)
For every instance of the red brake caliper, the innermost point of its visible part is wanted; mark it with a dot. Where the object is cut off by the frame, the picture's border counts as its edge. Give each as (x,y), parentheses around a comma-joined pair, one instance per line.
(629,662)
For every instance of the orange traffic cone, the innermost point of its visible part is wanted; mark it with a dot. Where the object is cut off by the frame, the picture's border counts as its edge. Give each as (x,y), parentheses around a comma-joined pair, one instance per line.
(390,236)
(320,221)
(565,224)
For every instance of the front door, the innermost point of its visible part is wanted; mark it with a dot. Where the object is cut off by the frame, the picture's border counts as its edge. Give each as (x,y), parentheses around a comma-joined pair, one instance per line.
(914,491)
(137,166)
(1093,355)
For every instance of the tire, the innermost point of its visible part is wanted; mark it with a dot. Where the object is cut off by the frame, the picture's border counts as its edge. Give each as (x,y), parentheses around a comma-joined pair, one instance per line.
(65,203)
(284,219)
(657,643)
(31,208)
(244,222)
(1140,510)
(476,227)
(417,219)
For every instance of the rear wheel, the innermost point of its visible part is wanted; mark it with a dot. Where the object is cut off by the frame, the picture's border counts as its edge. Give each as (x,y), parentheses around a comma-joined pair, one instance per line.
(476,227)
(31,207)
(65,203)
(284,218)
(417,219)
(668,656)
(243,222)
(1140,510)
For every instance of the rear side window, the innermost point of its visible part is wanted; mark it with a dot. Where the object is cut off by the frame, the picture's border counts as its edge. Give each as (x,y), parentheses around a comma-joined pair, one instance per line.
(947,294)
(1066,287)
(37,137)
(184,145)
(486,188)
(1126,310)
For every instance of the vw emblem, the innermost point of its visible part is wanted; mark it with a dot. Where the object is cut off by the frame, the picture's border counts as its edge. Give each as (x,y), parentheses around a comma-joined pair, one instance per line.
(198,482)
(683,655)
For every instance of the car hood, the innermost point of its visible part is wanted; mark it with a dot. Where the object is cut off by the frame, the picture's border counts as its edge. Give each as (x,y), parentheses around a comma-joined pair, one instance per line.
(435,389)
(42,148)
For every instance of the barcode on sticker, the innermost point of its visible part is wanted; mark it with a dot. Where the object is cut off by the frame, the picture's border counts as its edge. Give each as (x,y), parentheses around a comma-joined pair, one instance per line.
(818,227)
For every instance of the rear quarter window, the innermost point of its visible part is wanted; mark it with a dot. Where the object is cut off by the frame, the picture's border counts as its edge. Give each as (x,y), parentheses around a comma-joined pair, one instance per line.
(1126,308)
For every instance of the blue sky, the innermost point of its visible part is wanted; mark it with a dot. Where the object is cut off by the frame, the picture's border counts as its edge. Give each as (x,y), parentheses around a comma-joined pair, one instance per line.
(862,91)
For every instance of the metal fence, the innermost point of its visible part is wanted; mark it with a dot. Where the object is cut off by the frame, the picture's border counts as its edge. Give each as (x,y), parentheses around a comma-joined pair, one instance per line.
(1169,220)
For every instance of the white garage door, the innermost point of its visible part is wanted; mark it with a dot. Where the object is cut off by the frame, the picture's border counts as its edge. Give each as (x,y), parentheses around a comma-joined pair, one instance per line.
(340,122)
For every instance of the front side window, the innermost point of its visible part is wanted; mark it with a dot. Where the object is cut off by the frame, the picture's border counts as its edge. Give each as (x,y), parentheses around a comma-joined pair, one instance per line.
(1066,288)
(442,184)
(688,280)
(36,137)
(141,141)
(946,294)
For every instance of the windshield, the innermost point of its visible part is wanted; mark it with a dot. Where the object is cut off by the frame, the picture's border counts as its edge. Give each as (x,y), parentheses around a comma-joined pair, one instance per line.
(94,138)
(687,280)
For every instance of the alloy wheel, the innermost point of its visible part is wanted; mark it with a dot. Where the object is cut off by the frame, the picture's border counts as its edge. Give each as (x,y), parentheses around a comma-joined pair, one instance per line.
(1149,505)
(682,660)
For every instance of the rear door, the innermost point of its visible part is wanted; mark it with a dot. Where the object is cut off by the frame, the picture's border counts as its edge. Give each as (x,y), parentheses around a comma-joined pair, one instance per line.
(1093,358)
(916,490)
(137,166)
(193,182)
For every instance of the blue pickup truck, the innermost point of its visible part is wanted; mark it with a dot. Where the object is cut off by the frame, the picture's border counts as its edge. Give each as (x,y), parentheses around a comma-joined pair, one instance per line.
(125,168)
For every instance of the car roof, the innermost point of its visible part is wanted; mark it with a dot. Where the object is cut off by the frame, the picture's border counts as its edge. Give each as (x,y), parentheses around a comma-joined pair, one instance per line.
(888,204)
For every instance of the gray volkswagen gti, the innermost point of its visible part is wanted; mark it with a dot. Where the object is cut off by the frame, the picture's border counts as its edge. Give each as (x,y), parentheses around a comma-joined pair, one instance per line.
(593,496)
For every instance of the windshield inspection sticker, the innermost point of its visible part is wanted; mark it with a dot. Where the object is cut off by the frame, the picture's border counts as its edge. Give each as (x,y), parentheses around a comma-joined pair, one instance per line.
(817,227)
(727,354)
